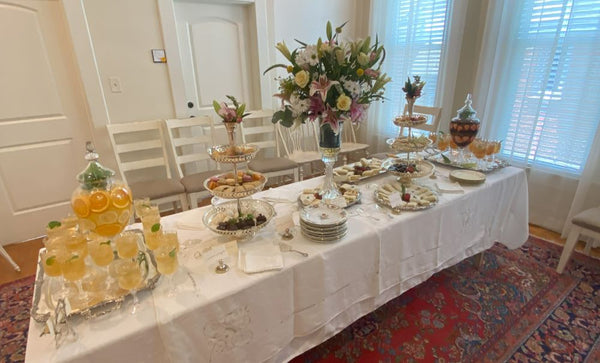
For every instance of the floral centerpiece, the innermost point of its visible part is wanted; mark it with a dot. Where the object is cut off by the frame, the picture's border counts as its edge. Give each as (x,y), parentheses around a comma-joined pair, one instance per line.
(413,91)
(231,116)
(330,82)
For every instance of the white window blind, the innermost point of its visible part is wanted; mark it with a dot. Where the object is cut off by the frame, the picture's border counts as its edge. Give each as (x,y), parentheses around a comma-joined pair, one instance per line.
(556,98)
(415,41)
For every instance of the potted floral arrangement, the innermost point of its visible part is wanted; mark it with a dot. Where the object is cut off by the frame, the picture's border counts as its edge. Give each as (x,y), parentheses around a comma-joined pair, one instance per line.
(330,82)
(231,116)
(413,91)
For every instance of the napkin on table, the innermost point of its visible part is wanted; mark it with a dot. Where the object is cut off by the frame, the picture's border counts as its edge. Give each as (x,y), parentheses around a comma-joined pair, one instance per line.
(192,220)
(259,256)
(449,187)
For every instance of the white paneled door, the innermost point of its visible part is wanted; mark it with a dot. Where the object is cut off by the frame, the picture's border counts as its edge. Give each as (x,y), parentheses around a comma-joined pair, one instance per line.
(43,118)
(218,53)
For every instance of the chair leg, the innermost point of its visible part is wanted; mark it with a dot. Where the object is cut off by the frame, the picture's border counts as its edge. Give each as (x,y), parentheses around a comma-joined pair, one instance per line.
(9,259)
(193,199)
(568,249)
(184,202)
(588,248)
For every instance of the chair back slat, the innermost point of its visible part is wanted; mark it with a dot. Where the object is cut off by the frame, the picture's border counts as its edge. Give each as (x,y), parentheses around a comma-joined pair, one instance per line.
(264,136)
(143,164)
(190,139)
(434,112)
(131,140)
(139,146)
(300,139)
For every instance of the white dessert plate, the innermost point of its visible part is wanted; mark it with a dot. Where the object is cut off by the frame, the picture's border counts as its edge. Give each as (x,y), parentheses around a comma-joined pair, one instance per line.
(467,176)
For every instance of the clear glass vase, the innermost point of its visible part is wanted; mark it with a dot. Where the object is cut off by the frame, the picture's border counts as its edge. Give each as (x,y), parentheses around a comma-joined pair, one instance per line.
(330,144)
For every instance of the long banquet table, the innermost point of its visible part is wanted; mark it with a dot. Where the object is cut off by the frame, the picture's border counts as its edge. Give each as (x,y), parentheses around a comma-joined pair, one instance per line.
(276,315)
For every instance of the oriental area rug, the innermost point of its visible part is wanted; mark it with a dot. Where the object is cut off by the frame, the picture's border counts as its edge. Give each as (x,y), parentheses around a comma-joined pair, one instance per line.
(515,308)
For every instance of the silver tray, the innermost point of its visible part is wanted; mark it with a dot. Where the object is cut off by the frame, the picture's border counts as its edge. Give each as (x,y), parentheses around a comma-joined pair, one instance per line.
(424,168)
(234,195)
(344,178)
(407,147)
(44,304)
(400,122)
(348,205)
(382,202)
(219,153)
(227,210)
(439,159)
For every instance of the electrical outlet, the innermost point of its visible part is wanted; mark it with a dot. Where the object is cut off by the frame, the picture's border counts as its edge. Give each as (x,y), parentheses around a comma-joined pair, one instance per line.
(115,84)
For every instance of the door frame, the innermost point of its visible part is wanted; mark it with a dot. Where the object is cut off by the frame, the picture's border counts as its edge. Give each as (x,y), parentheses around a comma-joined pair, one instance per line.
(262,14)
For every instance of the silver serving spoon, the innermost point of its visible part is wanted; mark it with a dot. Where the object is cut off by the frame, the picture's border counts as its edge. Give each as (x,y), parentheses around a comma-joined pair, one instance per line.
(284,247)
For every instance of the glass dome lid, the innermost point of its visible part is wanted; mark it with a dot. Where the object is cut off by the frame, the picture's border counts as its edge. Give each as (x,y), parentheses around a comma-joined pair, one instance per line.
(467,113)
(95,175)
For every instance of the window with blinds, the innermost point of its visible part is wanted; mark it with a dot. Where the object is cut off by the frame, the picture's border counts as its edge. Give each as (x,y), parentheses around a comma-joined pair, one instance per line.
(556,107)
(418,37)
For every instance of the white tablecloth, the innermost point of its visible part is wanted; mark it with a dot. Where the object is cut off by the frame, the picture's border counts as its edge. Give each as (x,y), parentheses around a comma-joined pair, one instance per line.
(273,316)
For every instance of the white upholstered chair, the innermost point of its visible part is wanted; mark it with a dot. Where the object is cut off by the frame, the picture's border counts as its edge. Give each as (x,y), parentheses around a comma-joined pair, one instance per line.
(349,144)
(301,144)
(143,161)
(585,223)
(190,139)
(258,129)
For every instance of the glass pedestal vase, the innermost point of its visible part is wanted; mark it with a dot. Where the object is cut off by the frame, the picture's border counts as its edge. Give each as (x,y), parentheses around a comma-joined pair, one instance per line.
(329,145)
(410,105)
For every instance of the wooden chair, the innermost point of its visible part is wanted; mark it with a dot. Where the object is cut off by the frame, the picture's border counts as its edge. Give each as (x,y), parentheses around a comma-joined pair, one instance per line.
(585,223)
(434,120)
(140,150)
(301,144)
(190,139)
(349,144)
(269,162)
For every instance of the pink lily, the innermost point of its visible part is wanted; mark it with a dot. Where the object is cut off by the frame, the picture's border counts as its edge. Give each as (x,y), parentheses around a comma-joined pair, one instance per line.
(330,117)
(317,107)
(357,111)
(322,86)
(371,73)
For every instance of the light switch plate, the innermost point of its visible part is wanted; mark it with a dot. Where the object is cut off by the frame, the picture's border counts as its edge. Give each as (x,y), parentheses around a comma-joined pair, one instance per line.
(115,84)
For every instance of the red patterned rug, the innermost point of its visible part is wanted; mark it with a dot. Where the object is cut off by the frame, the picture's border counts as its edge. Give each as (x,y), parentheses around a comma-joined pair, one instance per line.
(515,308)
(15,303)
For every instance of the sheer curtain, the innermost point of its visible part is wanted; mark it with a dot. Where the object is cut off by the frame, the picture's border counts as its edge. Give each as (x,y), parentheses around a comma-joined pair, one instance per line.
(537,89)
(415,34)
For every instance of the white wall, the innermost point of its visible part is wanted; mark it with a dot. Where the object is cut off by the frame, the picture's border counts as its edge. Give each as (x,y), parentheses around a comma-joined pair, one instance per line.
(122,35)
(306,20)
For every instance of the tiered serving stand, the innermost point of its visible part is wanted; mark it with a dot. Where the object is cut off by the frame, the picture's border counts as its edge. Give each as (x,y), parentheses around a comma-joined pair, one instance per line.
(236,207)
(408,144)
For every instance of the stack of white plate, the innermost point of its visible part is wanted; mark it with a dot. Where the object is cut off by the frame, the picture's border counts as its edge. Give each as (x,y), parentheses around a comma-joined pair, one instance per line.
(323,223)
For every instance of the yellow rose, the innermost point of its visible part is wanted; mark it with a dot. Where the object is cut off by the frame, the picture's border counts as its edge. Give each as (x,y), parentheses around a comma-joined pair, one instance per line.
(301,78)
(360,72)
(343,103)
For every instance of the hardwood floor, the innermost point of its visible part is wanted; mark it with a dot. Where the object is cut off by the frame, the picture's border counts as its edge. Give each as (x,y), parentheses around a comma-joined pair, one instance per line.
(25,254)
